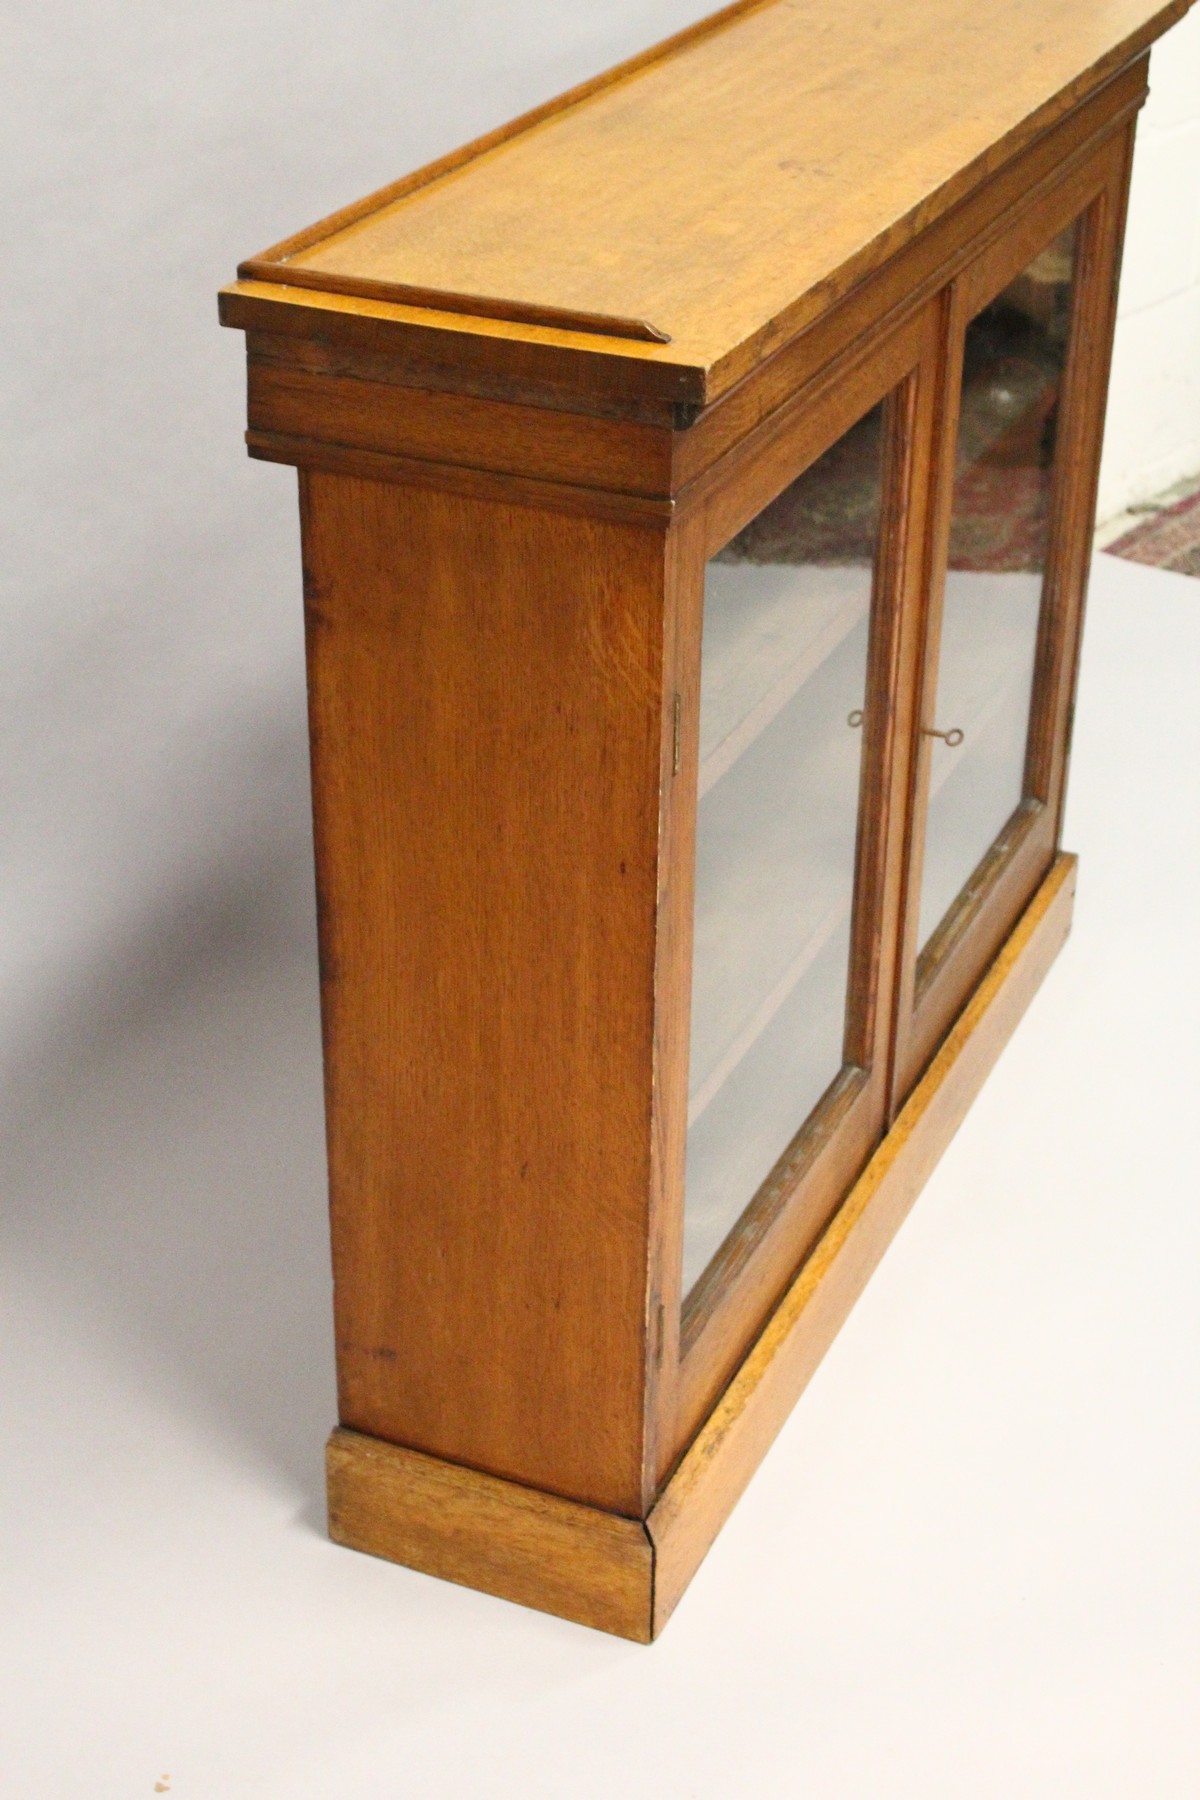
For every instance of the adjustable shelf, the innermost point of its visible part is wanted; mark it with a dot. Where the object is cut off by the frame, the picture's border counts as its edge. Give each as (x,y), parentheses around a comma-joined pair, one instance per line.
(681,468)
(772,874)
(773,627)
(986,672)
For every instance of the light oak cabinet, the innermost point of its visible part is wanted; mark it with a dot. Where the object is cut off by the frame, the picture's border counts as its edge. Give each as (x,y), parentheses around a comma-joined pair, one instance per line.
(696,486)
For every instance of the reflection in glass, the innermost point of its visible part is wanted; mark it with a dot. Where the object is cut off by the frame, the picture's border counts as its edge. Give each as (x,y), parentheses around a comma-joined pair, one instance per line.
(784,663)
(1013,364)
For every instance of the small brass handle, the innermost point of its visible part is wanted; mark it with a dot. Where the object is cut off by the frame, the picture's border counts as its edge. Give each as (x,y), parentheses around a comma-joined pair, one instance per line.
(952,738)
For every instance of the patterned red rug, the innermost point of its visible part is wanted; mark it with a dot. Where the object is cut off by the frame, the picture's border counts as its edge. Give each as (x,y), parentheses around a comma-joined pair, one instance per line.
(1169,540)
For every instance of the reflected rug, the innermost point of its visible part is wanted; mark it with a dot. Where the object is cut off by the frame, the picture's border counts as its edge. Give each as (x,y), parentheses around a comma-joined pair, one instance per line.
(1168,540)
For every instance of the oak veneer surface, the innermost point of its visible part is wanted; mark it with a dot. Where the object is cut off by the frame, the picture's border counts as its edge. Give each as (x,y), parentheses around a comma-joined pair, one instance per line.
(728,190)
(484,687)
(594,1567)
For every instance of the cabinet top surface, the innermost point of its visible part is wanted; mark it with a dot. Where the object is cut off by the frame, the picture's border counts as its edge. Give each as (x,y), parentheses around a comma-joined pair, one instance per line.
(696,206)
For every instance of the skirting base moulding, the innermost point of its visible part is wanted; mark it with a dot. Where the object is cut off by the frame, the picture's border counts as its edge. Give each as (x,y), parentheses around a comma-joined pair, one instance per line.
(626,1575)
(697,480)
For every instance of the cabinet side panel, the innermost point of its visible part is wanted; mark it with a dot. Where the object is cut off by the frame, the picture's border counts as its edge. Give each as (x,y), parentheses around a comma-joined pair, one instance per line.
(485,713)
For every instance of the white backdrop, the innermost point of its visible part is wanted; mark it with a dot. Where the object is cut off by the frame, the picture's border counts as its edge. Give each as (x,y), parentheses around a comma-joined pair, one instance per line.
(153,761)
(1152,437)
(152,765)
(151,685)
(988,1582)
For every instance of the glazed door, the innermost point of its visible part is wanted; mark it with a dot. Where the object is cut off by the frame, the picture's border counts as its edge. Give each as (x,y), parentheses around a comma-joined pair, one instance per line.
(798,815)
(1028,331)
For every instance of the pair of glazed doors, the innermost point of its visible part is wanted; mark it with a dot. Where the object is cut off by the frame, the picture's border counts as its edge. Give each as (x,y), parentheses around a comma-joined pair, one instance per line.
(885,674)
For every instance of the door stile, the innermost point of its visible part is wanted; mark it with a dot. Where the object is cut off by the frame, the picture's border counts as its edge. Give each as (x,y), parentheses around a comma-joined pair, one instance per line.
(720,1315)
(936,978)
(1103,235)
(927,609)
(683,599)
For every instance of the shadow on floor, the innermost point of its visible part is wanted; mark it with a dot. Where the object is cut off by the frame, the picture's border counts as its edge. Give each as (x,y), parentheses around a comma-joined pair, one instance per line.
(166,1181)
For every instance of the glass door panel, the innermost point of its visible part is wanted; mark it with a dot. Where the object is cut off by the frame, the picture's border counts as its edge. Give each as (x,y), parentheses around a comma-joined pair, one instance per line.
(787,609)
(1013,362)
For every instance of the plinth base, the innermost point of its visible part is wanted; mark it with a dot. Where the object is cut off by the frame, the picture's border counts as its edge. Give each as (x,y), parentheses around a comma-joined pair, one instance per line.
(625,1575)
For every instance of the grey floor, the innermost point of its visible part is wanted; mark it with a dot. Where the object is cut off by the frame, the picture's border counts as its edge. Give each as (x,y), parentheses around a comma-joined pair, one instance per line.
(969,1567)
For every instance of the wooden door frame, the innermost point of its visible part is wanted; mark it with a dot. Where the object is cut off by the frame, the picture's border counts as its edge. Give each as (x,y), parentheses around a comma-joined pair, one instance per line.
(702,1337)
(936,981)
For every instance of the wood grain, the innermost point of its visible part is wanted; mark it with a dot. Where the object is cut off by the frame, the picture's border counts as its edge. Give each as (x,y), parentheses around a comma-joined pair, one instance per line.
(377,347)
(718,1465)
(485,701)
(617,1574)
(1086,399)
(783,1220)
(1062,162)
(574,1561)
(505,525)
(473,355)
(459,478)
(518,312)
(935,980)
(668,195)
(525,442)
(490,140)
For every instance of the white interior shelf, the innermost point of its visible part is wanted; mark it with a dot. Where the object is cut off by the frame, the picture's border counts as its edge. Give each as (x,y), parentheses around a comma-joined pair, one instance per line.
(784,667)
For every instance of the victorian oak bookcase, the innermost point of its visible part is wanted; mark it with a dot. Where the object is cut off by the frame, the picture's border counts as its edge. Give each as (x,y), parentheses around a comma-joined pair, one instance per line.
(696,487)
